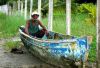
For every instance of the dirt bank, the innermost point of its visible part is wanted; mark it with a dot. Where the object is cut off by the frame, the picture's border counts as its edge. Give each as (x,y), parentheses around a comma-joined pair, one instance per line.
(26,60)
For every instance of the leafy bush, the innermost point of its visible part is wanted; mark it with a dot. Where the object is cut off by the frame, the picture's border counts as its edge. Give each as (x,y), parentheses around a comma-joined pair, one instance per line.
(73,7)
(90,9)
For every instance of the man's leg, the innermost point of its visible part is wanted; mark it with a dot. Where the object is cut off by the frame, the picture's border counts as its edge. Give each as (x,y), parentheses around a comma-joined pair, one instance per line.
(40,33)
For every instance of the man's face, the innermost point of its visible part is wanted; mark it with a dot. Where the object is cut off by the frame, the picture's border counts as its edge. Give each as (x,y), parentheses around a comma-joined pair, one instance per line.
(35,16)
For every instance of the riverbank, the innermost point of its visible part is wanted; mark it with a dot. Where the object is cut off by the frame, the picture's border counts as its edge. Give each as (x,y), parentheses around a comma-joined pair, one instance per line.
(25,60)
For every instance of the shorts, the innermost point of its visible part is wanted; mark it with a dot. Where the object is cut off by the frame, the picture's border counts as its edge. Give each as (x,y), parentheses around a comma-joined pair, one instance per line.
(39,34)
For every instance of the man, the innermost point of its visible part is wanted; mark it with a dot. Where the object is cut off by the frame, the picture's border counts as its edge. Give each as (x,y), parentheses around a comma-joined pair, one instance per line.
(32,26)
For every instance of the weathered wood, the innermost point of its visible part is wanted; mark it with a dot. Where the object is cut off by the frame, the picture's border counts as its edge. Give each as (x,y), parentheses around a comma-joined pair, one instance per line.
(44,50)
(90,39)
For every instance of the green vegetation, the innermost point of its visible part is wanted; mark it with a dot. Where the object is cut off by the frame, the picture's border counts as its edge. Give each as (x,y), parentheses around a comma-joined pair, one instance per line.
(11,44)
(81,25)
(9,25)
(78,28)
(92,54)
(90,9)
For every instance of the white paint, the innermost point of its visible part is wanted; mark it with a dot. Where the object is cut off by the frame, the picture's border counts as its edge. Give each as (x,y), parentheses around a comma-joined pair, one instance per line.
(21,8)
(4,9)
(31,4)
(9,10)
(50,18)
(68,17)
(97,33)
(39,8)
(14,7)
(25,9)
(18,6)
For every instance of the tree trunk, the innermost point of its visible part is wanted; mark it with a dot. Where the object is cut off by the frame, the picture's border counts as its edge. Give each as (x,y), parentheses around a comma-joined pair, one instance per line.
(21,8)
(25,9)
(68,16)
(39,8)
(98,34)
(50,15)
(31,5)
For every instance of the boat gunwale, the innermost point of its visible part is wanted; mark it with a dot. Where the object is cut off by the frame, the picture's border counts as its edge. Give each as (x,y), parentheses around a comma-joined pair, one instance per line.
(48,41)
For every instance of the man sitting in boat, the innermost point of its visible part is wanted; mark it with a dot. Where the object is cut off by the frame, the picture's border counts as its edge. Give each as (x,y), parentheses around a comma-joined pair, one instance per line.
(32,26)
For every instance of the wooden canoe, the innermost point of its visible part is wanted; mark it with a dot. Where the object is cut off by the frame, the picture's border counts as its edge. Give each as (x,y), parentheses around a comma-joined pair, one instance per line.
(56,48)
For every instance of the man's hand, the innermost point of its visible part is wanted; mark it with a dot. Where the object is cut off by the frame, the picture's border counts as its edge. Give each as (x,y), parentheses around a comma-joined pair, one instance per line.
(46,32)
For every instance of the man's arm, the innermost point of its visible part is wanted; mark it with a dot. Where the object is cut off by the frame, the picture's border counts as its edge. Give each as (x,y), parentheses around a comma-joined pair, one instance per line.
(26,27)
(40,23)
(43,28)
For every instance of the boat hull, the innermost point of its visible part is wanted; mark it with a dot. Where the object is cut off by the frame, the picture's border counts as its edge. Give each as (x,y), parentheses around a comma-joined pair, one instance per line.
(64,51)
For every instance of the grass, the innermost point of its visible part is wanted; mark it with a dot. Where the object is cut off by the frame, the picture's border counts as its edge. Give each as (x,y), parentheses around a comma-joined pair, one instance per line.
(82,28)
(79,27)
(9,25)
(9,45)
